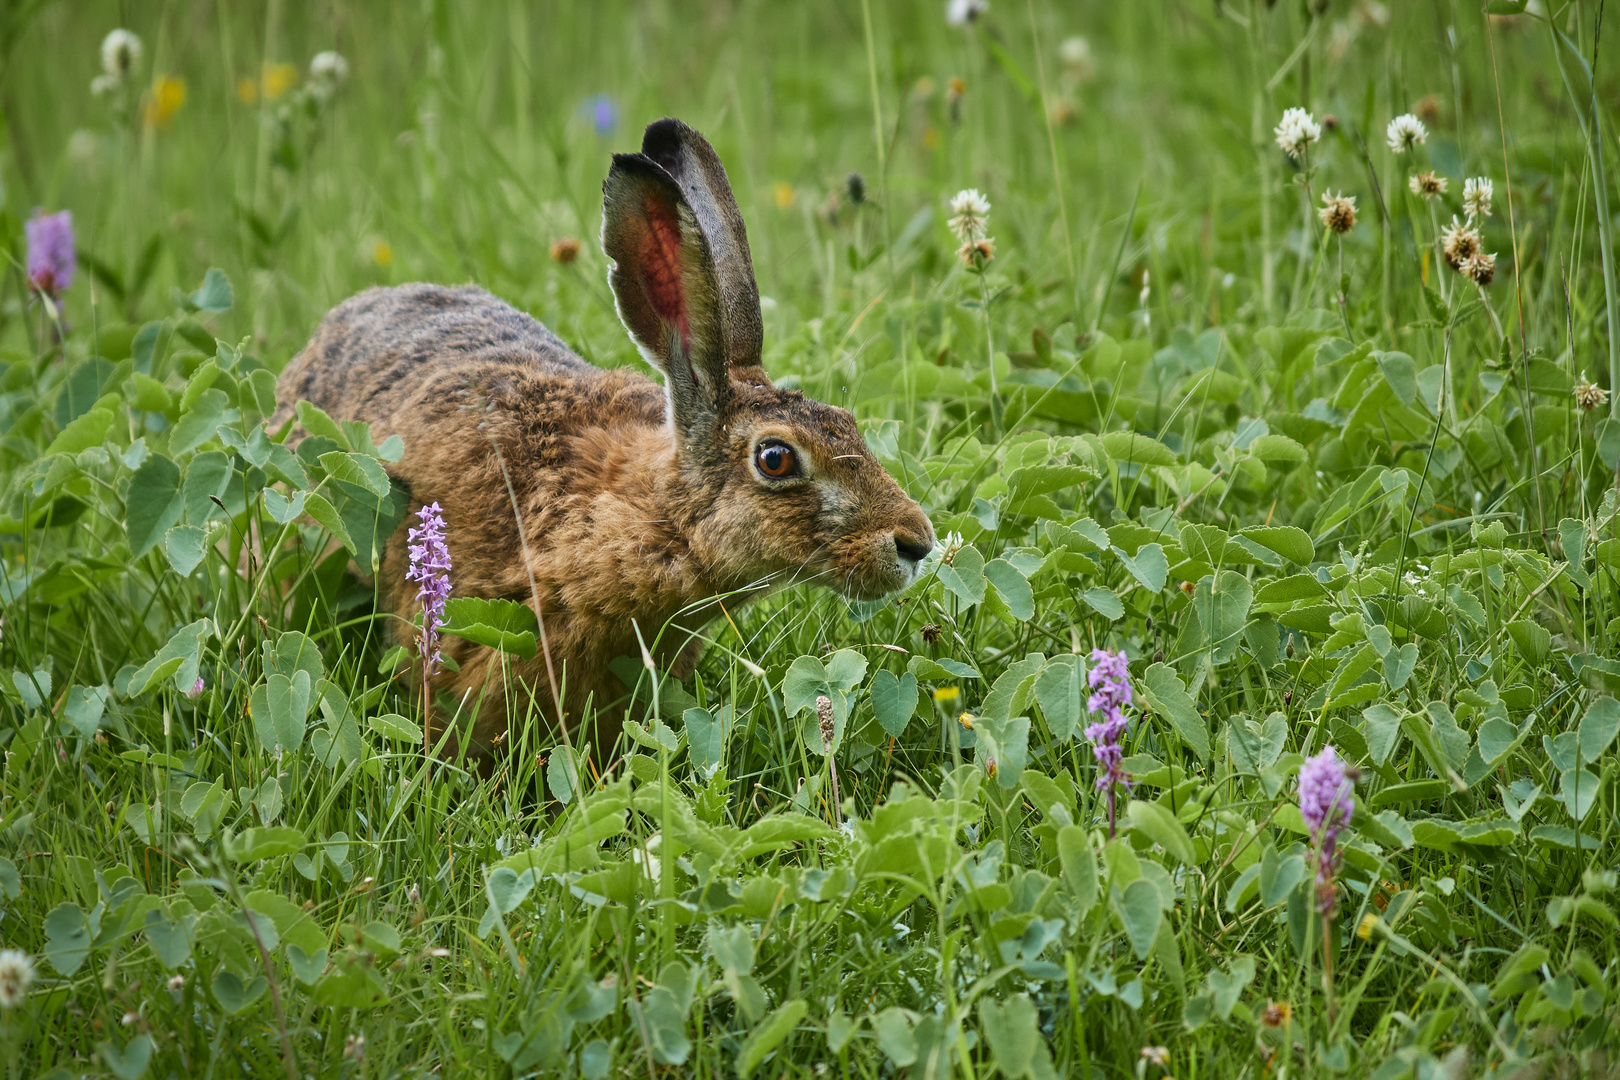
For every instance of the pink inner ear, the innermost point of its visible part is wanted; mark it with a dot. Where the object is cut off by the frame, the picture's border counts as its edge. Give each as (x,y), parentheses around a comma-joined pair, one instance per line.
(659,256)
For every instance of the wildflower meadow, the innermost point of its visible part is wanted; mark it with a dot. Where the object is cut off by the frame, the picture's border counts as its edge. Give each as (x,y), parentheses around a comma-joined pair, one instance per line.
(1253,716)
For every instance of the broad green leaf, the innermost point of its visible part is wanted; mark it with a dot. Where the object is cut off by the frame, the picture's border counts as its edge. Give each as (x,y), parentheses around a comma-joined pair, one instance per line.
(84,707)
(894,700)
(500,624)
(208,477)
(185,546)
(806,679)
(396,728)
(1400,372)
(326,515)
(1013,587)
(1291,543)
(171,939)
(562,775)
(1148,566)
(963,576)
(894,1037)
(768,1035)
(279,708)
(1104,602)
(942,668)
(357,469)
(154,503)
(1139,912)
(1060,691)
(1079,863)
(1130,446)
(1399,663)
(1160,825)
(215,293)
(1012,1028)
(1278,450)
(1598,728)
(179,659)
(131,1062)
(1289,590)
(1165,693)
(265,843)
(67,938)
(707,736)
(1222,603)
(87,431)
(1381,726)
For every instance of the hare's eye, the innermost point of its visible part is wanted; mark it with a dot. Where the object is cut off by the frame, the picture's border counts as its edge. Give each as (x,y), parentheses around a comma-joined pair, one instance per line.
(776,460)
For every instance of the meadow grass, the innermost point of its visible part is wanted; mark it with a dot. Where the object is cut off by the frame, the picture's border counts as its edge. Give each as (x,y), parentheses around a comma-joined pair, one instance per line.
(1362,508)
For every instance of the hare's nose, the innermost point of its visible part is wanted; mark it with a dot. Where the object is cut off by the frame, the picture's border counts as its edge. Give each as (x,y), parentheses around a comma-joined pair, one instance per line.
(911,549)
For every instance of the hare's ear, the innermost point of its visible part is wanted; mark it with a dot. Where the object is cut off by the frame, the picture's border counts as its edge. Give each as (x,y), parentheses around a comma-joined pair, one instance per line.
(691,161)
(663,279)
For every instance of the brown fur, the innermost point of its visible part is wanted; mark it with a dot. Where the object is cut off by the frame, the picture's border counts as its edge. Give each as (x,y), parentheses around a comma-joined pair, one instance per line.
(638,502)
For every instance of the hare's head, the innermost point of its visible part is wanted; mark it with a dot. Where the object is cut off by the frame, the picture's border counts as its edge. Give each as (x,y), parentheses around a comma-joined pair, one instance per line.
(769,484)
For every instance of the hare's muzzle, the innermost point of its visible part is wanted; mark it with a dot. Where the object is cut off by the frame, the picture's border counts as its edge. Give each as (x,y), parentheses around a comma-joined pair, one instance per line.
(912,549)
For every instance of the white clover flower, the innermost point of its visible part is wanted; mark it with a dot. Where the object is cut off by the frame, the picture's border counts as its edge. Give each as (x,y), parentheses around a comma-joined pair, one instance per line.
(1075,53)
(104,85)
(970,211)
(1405,132)
(16,973)
(950,544)
(1295,131)
(1477,196)
(962,12)
(120,54)
(327,71)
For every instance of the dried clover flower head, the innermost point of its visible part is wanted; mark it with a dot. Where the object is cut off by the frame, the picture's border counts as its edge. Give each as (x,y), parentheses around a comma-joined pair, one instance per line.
(1477,196)
(1405,132)
(977,251)
(1589,396)
(1295,131)
(1458,242)
(1277,1014)
(1430,185)
(564,250)
(824,716)
(1480,266)
(1338,212)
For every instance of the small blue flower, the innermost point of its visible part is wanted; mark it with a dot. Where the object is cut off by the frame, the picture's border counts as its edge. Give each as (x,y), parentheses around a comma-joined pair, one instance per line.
(603,113)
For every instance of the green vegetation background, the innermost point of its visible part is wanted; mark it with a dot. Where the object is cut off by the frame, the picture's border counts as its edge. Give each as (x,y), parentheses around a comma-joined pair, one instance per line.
(1361,507)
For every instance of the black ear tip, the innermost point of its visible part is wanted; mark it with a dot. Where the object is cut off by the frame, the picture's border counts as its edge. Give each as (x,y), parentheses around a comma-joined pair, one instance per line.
(663,137)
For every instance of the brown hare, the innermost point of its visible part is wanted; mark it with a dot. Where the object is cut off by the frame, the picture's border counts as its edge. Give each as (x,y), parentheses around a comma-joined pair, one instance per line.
(638,503)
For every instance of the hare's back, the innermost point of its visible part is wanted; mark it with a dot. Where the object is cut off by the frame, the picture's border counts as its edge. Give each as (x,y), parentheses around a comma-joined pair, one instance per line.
(374,351)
